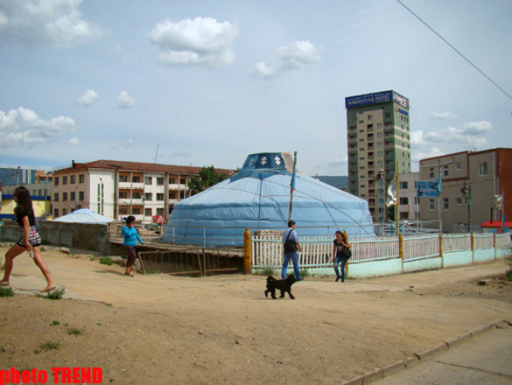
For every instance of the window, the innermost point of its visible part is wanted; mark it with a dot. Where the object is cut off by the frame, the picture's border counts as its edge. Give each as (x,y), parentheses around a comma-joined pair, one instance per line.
(72,179)
(404,201)
(64,180)
(172,195)
(369,117)
(482,168)
(160,211)
(379,153)
(135,179)
(136,210)
(160,181)
(172,180)
(39,192)
(431,204)
(136,195)
(416,200)
(81,196)
(379,134)
(148,196)
(81,178)
(64,197)
(379,144)
(123,178)
(56,197)
(431,173)
(446,205)
(404,185)
(458,166)
(148,212)
(159,197)
(445,171)
(72,196)
(123,195)
(55,212)
(123,210)
(148,180)
(387,115)
(64,211)
(379,125)
(183,180)
(459,201)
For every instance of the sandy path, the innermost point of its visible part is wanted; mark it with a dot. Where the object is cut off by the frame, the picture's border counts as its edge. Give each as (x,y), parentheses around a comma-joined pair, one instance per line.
(222,329)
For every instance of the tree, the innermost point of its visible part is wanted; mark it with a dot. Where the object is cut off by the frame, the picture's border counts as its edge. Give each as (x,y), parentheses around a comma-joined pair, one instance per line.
(207,178)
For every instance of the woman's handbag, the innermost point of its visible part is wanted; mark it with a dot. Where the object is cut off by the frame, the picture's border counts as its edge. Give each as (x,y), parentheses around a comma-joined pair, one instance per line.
(346,253)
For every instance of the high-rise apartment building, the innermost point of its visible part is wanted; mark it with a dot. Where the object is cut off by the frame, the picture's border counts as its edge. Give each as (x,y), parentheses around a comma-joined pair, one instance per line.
(378,140)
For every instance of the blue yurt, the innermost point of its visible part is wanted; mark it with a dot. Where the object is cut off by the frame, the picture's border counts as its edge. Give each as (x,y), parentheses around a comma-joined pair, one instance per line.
(258,197)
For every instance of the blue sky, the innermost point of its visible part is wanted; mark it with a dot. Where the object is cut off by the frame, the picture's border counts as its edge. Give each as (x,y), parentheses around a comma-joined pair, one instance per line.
(209,82)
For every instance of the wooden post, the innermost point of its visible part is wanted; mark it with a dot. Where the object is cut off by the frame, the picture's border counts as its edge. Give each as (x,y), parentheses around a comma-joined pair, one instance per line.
(247,252)
(401,249)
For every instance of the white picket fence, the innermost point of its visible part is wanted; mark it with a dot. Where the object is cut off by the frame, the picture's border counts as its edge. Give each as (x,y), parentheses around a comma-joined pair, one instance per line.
(267,248)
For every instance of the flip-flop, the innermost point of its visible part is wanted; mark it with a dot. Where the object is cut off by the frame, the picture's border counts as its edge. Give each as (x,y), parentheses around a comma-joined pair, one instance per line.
(4,284)
(47,289)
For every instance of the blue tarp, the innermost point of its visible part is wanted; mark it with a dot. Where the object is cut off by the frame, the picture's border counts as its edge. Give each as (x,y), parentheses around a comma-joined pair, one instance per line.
(258,197)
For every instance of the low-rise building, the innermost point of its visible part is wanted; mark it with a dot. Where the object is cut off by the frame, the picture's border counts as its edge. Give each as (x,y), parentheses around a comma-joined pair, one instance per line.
(117,189)
(472,184)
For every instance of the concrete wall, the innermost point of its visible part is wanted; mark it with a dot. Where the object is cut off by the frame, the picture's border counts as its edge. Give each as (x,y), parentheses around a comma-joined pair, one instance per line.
(77,235)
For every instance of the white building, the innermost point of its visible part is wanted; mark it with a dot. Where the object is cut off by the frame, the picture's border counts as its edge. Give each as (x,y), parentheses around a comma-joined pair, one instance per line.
(117,189)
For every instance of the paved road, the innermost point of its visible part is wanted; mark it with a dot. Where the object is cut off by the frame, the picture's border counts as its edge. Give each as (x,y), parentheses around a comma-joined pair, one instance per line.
(483,360)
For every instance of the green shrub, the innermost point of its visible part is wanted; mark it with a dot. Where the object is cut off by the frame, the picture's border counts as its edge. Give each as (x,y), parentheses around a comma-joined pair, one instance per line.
(55,323)
(509,275)
(74,332)
(106,261)
(55,294)
(49,346)
(6,292)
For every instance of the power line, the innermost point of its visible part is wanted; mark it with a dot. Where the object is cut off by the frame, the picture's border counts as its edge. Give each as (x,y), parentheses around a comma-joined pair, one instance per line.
(456,50)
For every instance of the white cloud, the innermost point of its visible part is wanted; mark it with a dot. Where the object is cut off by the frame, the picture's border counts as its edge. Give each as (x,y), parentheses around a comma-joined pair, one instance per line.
(23,127)
(199,41)
(125,101)
(443,115)
(34,22)
(74,141)
(432,143)
(123,145)
(88,98)
(294,56)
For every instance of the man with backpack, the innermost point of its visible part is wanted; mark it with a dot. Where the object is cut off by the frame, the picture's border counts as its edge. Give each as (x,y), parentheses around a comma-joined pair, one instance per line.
(291,245)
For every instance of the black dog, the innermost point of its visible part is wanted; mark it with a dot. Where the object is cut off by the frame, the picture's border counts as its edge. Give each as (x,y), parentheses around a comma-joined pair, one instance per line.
(285,285)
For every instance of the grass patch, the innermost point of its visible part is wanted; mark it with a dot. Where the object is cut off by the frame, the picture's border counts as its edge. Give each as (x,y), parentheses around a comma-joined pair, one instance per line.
(6,292)
(55,323)
(55,294)
(265,271)
(106,261)
(304,273)
(74,332)
(49,346)
(508,275)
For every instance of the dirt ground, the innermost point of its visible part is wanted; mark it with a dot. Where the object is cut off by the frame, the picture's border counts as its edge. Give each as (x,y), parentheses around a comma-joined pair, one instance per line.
(222,330)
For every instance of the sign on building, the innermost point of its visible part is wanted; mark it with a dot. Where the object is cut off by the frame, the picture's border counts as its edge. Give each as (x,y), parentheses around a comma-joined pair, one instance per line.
(428,188)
